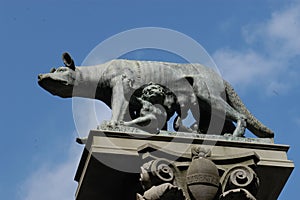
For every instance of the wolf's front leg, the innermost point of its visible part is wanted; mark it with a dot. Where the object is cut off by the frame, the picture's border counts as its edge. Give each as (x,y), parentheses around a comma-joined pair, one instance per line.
(119,104)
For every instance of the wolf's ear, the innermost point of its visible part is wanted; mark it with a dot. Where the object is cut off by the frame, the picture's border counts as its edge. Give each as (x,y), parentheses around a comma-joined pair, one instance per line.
(68,61)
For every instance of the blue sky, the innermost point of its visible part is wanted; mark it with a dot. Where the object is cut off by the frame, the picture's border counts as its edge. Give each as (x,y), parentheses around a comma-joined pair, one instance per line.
(255,44)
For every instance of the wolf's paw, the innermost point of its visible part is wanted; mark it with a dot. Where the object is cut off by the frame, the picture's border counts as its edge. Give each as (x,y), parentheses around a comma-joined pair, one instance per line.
(238,133)
(113,124)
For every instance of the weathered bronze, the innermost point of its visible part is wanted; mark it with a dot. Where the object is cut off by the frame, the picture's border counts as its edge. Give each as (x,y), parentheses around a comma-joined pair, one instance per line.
(189,87)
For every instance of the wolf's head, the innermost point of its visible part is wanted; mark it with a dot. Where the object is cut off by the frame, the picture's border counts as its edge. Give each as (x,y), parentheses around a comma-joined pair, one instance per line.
(60,82)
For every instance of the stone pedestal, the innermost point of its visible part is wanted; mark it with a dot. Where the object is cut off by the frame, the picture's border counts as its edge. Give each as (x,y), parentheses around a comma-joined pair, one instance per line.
(110,166)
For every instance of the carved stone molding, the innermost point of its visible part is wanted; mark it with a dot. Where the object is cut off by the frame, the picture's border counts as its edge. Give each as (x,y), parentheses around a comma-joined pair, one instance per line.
(239,181)
(157,179)
(166,160)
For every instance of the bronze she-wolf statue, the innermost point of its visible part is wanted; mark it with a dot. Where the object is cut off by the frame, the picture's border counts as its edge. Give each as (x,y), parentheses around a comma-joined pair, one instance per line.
(194,88)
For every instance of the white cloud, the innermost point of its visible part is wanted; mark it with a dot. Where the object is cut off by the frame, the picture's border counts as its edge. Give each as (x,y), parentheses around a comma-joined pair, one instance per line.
(280,34)
(242,67)
(55,181)
(272,44)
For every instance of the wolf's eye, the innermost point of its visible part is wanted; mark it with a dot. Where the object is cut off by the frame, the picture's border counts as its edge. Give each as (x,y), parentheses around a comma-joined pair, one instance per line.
(61,70)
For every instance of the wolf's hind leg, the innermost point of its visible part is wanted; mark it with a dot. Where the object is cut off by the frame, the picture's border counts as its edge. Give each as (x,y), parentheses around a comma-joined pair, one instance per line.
(230,113)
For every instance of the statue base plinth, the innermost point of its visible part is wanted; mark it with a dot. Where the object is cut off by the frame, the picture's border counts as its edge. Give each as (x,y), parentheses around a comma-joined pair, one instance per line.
(111,163)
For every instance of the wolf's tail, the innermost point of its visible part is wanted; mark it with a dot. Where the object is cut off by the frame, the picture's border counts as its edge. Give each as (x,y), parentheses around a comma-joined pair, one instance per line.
(255,126)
